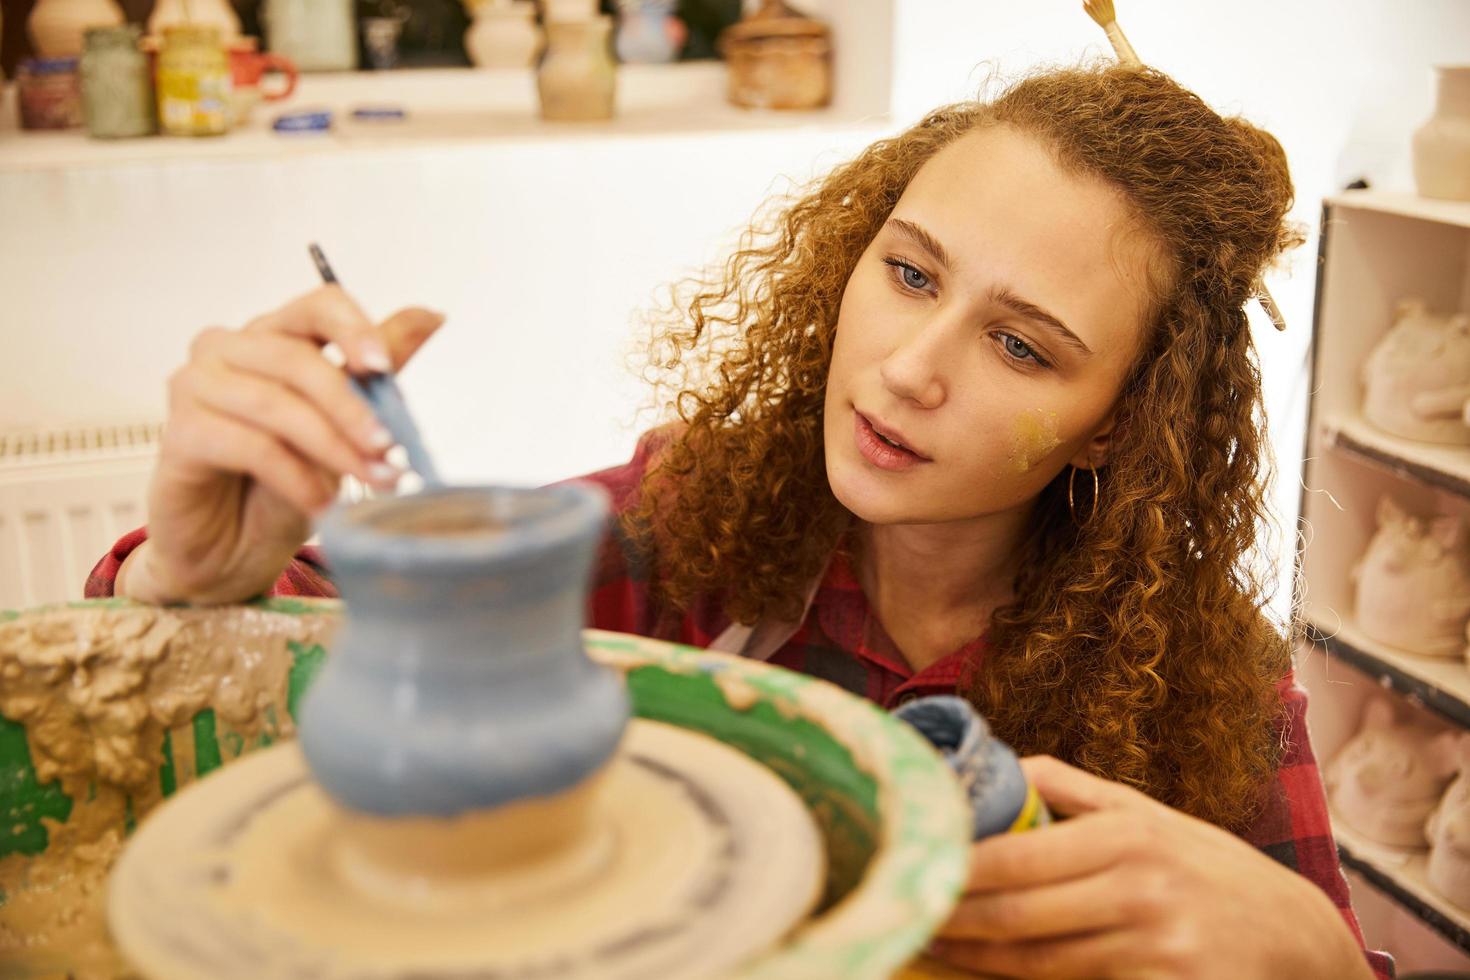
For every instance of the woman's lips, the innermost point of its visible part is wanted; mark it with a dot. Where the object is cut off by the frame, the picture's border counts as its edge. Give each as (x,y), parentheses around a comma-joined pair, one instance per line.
(878,452)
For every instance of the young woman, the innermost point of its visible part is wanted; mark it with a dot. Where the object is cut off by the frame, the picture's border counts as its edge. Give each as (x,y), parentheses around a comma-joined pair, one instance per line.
(980,412)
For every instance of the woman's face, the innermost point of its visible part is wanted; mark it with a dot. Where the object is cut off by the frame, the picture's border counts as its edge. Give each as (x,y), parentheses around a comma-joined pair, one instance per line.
(988,328)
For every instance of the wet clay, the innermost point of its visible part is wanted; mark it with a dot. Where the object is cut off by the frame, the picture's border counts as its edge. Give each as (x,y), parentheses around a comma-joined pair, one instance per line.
(1033,437)
(97,694)
(247,876)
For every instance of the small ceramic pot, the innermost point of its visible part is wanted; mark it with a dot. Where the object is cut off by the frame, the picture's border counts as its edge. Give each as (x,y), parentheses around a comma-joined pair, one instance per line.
(1442,144)
(503,35)
(649,33)
(460,682)
(578,77)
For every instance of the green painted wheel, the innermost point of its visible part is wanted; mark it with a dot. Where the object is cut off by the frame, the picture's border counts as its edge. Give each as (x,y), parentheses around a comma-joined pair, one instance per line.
(893,820)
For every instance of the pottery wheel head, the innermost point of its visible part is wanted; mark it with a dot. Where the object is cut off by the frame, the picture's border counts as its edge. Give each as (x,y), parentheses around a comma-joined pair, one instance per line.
(248,874)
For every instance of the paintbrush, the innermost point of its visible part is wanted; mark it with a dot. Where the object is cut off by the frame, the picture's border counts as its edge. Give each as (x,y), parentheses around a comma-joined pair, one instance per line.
(381,392)
(1102,11)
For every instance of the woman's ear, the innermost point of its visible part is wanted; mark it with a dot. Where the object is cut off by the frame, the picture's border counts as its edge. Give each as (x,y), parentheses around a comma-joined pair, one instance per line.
(1097,449)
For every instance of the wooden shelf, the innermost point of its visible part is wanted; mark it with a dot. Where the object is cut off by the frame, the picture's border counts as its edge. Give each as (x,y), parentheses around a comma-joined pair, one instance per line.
(1441,684)
(1405,205)
(1443,467)
(1402,873)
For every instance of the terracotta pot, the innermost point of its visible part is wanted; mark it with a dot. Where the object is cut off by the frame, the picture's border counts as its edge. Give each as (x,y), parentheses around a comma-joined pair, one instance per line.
(1442,145)
(57,26)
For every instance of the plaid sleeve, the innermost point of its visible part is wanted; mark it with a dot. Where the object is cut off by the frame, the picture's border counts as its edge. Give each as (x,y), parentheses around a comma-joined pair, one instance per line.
(305,575)
(620,597)
(1293,826)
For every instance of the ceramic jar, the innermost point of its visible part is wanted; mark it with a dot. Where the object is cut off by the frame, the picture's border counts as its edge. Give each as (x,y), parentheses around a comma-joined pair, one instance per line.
(194,82)
(1442,144)
(317,35)
(199,13)
(503,34)
(49,93)
(648,32)
(117,84)
(58,26)
(460,682)
(778,60)
(578,77)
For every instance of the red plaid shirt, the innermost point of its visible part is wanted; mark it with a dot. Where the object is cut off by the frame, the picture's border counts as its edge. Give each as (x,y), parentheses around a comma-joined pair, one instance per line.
(842,641)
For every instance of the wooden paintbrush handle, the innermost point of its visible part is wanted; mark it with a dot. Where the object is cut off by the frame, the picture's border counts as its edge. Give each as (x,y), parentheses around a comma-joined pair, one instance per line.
(1124,50)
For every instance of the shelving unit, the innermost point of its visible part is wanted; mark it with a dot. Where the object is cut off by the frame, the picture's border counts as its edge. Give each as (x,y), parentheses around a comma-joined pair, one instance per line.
(1376,249)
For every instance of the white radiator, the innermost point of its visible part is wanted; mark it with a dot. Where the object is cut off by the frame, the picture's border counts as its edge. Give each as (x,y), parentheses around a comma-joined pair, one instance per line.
(65,497)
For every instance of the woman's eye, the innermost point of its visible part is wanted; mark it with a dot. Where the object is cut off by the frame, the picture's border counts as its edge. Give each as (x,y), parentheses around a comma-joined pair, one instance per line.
(909,275)
(1019,349)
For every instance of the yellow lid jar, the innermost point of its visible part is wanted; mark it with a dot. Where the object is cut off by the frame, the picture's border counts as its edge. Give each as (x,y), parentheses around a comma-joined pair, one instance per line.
(193,82)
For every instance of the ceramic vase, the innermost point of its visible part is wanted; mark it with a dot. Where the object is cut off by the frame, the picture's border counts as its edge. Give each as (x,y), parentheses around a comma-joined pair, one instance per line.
(317,35)
(205,13)
(578,77)
(1442,144)
(503,35)
(648,32)
(460,682)
(58,27)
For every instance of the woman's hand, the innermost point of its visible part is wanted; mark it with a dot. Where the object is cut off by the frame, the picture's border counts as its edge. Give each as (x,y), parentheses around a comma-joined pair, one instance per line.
(261,428)
(1129,887)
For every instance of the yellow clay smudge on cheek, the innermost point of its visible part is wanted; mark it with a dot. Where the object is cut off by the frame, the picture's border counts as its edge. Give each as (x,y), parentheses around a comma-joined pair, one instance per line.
(1033,437)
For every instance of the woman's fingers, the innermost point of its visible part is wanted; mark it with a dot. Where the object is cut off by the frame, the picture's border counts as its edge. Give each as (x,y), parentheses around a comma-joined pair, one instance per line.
(297,364)
(1068,790)
(327,315)
(282,414)
(407,330)
(1059,852)
(1070,907)
(1092,955)
(223,443)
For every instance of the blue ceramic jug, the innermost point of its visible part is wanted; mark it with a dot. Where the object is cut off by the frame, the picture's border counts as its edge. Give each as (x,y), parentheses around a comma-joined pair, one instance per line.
(459,682)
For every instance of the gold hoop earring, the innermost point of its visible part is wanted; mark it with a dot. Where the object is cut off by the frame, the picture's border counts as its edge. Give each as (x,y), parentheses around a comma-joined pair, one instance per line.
(1071,500)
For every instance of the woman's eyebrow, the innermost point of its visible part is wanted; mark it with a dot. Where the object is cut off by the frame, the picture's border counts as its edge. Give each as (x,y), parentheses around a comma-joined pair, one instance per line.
(923,239)
(1003,295)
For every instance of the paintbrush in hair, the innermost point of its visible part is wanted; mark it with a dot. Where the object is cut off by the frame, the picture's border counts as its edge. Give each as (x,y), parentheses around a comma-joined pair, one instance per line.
(1107,18)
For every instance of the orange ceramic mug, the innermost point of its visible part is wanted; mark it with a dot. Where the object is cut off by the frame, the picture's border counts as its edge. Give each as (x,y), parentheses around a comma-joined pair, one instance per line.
(248,66)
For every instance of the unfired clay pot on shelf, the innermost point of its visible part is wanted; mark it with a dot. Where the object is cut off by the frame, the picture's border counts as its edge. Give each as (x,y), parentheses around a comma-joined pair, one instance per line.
(1442,144)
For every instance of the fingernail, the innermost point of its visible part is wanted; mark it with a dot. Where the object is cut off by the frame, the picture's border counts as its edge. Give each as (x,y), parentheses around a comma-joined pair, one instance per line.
(375,356)
(384,473)
(379,437)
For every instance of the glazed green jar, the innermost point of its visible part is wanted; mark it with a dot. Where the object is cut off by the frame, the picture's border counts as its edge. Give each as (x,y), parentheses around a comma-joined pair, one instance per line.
(117,84)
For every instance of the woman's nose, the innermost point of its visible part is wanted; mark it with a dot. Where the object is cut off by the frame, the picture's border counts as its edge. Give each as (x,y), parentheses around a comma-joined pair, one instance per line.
(916,369)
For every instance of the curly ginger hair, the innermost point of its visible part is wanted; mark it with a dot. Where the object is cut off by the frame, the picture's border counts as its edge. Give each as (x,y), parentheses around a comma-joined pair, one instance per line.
(1135,646)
